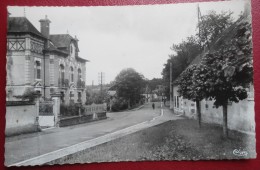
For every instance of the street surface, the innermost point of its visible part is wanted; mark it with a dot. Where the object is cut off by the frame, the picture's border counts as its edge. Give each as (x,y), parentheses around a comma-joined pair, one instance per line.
(28,146)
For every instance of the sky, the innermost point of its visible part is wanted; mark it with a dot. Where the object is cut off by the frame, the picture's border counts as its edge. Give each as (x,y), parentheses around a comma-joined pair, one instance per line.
(118,37)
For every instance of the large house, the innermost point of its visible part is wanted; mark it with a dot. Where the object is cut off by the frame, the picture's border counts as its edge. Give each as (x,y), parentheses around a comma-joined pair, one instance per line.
(41,62)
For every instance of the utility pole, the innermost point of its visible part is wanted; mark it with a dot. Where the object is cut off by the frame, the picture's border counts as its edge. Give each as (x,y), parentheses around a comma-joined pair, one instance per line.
(171,91)
(101,85)
(24,12)
(101,77)
(205,34)
(199,16)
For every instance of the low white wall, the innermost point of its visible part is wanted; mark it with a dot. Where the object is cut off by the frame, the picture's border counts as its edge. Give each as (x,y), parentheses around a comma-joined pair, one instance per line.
(20,119)
(241,116)
(46,121)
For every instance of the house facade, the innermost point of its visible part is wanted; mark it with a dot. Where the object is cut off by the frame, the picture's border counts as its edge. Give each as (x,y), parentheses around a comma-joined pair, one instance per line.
(44,63)
(241,115)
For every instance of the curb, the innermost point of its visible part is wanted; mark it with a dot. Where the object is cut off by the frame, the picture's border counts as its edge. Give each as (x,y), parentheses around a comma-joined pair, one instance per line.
(60,153)
(136,108)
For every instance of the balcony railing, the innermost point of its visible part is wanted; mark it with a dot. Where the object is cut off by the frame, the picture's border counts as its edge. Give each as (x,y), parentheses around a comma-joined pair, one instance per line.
(80,84)
(63,83)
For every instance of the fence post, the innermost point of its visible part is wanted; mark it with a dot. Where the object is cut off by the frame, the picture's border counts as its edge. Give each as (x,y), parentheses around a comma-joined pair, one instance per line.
(56,108)
(80,105)
(37,107)
(93,110)
(105,107)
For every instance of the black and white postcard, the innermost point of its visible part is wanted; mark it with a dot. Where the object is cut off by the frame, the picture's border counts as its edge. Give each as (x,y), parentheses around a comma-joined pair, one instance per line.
(129,83)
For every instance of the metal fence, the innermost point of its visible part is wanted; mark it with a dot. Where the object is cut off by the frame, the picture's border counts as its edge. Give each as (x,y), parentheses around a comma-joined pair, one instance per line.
(94,108)
(46,108)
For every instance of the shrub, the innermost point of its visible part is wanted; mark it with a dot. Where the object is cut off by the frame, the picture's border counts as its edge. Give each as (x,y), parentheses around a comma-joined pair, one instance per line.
(28,95)
(45,109)
(119,104)
(69,110)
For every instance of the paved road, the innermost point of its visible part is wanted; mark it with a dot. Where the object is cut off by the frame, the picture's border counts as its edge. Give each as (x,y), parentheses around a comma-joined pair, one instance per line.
(24,147)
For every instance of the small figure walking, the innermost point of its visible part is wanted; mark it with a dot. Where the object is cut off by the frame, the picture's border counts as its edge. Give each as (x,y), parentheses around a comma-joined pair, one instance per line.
(153,106)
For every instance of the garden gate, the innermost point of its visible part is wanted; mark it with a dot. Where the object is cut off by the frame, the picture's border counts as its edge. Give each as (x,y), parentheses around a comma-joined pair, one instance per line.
(46,114)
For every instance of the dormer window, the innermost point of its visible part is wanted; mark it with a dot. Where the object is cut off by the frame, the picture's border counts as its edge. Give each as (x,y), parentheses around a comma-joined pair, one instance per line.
(72,50)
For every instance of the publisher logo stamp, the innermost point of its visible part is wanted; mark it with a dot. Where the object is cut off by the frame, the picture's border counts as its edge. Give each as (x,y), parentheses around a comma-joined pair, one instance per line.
(239,152)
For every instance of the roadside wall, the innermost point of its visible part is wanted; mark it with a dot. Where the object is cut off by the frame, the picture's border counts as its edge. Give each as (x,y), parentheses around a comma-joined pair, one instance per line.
(20,118)
(75,120)
(241,115)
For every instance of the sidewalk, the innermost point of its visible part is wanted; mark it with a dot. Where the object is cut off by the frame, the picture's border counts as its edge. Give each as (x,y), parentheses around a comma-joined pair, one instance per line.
(49,145)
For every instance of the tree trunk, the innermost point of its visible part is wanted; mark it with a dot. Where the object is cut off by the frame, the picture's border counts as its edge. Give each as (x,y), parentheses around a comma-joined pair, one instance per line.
(198,112)
(225,126)
(128,103)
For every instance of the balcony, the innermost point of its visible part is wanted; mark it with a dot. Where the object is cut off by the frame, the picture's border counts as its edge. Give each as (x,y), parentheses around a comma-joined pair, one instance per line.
(80,84)
(64,83)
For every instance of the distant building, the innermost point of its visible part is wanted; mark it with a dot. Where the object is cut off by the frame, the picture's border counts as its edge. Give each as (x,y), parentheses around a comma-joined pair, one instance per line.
(42,62)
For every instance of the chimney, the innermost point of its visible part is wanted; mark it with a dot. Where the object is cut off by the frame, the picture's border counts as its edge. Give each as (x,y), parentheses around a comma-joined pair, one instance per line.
(8,16)
(45,26)
(76,38)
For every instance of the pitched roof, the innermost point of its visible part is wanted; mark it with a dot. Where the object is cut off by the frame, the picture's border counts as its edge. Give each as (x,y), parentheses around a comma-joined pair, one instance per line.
(53,48)
(62,40)
(81,59)
(58,41)
(226,35)
(22,25)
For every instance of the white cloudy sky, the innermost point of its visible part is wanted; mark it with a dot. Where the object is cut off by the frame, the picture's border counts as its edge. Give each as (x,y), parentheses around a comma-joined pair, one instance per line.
(118,37)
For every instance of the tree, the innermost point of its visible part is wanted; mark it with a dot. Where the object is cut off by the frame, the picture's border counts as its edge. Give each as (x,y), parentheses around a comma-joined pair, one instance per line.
(152,84)
(93,97)
(155,86)
(184,53)
(226,73)
(189,87)
(212,25)
(96,97)
(129,85)
(28,95)
(118,104)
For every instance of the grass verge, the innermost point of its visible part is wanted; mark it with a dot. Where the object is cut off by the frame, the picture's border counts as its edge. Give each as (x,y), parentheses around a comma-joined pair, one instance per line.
(173,140)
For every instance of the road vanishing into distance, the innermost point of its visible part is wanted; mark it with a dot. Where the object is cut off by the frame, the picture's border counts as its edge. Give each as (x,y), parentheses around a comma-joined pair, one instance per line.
(28,146)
